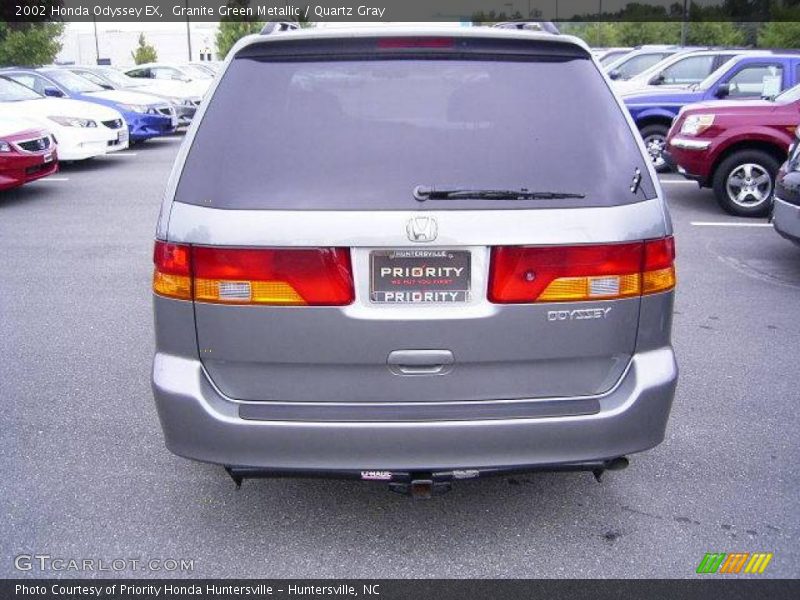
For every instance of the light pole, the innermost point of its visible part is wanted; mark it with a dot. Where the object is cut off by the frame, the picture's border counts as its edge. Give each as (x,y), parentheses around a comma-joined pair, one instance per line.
(96,42)
(600,17)
(188,31)
(684,24)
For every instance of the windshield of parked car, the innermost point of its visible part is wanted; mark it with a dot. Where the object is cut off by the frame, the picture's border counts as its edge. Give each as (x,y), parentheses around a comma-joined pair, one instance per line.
(790,95)
(74,83)
(121,80)
(196,72)
(712,79)
(630,67)
(11,91)
(610,57)
(362,134)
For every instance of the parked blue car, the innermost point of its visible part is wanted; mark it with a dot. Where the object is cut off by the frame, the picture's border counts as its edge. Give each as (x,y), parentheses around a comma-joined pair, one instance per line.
(147,116)
(743,77)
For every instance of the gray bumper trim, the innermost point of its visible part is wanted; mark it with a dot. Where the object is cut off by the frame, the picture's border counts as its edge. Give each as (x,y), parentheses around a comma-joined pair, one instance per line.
(200,424)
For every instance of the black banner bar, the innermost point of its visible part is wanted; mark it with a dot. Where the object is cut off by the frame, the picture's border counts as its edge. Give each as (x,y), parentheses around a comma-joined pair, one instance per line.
(743,588)
(400,10)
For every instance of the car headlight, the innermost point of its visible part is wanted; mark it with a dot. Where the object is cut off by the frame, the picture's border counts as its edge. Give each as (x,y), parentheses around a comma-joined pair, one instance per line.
(696,124)
(137,108)
(5,146)
(73,121)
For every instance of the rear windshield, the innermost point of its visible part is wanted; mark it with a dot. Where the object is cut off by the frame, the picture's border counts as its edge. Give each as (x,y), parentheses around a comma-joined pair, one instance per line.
(362,134)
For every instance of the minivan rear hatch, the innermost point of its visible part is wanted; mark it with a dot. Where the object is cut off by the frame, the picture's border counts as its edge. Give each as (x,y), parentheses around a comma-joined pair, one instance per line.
(326,279)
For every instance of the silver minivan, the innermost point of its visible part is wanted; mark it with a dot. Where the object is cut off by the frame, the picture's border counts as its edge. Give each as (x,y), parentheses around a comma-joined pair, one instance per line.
(396,255)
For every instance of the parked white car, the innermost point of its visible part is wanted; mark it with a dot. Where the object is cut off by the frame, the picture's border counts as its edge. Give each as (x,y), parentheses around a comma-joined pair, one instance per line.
(173,72)
(184,97)
(680,69)
(82,129)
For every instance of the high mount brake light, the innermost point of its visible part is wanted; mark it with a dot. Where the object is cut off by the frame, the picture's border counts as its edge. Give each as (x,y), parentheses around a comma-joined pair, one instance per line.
(392,43)
(523,274)
(304,276)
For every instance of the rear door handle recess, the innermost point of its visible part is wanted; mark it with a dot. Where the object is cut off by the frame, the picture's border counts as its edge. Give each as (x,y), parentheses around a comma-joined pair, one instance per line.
(420,362)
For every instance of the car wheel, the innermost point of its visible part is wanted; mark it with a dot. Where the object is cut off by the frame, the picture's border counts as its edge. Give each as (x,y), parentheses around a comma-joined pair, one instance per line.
(655,141)
(743,183)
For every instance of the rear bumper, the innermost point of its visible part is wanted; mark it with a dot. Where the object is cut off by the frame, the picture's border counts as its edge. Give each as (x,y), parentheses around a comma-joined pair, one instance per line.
(786,220)
(201,424)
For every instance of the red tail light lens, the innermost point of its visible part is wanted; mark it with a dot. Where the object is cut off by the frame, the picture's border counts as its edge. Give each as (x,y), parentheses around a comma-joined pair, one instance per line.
(522,274)
(658,273)
(319,276)
(172,276)
(307,276)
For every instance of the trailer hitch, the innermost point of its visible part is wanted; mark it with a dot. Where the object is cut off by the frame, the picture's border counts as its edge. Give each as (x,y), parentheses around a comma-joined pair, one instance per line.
(422,485)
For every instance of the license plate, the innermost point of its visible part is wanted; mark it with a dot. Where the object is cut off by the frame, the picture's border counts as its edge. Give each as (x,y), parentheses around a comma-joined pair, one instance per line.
(122,136)
(47,158)
(174,121)
(419,276)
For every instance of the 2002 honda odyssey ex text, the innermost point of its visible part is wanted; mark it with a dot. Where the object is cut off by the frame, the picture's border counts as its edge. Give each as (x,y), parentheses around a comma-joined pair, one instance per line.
(396,255)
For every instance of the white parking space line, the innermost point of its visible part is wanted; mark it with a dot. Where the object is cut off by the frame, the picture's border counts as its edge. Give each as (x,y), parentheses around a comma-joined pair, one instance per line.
(121,153)
(728,224)
(46,179)
(664,181)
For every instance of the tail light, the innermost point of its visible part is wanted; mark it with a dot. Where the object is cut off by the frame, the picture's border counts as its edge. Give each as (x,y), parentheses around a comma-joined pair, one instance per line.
(307,276)
(522,274)
(172,276)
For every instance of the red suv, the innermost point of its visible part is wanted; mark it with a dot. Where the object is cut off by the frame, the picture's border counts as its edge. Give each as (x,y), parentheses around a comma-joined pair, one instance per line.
(736,147)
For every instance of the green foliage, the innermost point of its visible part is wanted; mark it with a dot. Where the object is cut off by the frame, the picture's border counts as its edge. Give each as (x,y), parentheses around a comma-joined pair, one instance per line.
(714,33)
(144,53)
(29,44)
(635,33)
(231,31)
(779,34)
(603,33)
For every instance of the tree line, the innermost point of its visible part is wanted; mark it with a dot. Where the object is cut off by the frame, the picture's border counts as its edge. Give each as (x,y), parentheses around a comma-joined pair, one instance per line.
(774,34)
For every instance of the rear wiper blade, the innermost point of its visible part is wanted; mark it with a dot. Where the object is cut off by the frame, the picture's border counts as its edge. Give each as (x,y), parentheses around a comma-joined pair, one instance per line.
(423,193)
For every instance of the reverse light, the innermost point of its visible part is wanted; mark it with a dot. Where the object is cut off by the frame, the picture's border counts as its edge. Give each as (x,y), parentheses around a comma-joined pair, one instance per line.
(697,124)
(524,274)
(290,277)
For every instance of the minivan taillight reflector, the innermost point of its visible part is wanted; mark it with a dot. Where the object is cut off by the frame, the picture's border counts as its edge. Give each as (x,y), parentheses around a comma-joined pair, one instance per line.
(286,276)
(522,274)
(172,276)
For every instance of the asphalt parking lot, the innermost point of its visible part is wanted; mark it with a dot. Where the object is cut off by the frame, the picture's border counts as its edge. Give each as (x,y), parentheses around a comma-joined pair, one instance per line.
(85,472)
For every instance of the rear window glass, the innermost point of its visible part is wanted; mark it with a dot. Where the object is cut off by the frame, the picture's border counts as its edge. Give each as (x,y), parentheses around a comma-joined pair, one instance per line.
(362,134)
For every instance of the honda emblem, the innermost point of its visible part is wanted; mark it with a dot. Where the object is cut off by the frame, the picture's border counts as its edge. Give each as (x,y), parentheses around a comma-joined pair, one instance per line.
(422,229)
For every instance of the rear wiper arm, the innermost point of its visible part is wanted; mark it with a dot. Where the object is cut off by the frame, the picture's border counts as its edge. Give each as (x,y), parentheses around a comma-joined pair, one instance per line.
(423,193)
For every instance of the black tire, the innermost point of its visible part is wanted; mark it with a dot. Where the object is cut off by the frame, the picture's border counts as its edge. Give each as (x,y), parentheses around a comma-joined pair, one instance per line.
(756,203)
(658,132)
